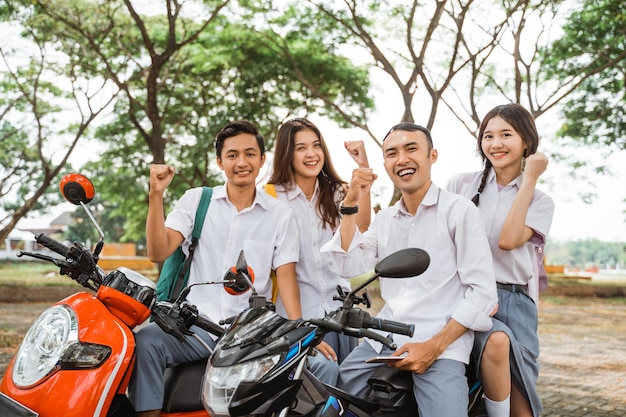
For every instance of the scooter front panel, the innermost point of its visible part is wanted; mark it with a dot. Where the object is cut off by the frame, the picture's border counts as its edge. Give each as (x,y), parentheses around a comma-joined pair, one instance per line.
(81,392)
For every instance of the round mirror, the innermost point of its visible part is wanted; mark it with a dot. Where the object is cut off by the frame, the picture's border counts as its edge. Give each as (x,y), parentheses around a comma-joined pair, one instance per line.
(76,188)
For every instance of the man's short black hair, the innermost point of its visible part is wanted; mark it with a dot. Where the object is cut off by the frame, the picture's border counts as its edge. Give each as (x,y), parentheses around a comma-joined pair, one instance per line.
(235,128)
(412,127)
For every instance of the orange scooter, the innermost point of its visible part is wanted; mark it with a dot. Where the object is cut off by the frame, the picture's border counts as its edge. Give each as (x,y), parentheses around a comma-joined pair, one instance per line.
(77,358)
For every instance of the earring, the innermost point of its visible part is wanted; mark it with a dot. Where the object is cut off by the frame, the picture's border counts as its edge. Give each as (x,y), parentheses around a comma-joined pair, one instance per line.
(524,156)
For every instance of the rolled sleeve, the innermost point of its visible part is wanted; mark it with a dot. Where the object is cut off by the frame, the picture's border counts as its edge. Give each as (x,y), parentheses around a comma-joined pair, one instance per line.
(475,269)
(358,259)
(468,315)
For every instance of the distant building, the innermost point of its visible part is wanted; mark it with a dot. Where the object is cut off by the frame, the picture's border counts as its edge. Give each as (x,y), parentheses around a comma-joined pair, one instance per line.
(57,225)
(22,238)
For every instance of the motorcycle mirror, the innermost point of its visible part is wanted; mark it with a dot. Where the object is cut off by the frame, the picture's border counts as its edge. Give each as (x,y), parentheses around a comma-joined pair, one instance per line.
(242,265)
(240,277)
(404,263)
(235,281)
(77,189)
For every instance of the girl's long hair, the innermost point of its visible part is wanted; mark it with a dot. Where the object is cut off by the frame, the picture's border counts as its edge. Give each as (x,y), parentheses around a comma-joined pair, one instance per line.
(328,179)
(521,120)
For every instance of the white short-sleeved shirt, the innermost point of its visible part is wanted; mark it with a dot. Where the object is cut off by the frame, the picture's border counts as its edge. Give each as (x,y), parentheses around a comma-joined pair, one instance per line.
(266,231)
(459,282)
(317,277)
(515,266)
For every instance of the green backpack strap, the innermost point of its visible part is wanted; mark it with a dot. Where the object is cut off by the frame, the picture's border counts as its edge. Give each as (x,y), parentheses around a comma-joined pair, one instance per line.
(203,206)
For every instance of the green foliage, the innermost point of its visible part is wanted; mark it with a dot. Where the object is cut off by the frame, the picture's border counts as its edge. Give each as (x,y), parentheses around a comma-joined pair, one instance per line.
(586,253)
(29,107)
(109,220)
(593,43)
(230,72)
(178,78)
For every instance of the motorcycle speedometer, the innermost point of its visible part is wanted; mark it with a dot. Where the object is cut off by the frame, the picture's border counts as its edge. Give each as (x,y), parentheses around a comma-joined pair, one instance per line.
(43,346)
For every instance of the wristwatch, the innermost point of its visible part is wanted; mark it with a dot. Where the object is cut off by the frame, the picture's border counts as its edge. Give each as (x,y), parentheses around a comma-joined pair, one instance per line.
(348,210)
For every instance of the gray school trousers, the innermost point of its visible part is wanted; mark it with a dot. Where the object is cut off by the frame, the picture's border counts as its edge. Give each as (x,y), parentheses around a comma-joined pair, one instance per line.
(155,352)
(327,370)
(441,391)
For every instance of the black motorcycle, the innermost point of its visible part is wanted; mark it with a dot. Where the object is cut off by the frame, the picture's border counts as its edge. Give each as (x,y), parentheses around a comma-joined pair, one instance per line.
(258,366)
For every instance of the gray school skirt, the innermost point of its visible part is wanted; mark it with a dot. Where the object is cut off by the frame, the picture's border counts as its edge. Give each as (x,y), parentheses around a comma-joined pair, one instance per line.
(517,317)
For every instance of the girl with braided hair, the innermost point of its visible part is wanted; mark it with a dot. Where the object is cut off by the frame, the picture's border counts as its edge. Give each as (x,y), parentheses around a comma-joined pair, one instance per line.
(517,218)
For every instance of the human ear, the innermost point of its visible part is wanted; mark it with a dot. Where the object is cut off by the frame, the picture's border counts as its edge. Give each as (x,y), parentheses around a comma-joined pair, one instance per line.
(433,156)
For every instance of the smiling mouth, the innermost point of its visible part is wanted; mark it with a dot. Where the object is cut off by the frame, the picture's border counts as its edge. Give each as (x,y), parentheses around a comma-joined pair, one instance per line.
(498,154)
(406,171)
(311,164)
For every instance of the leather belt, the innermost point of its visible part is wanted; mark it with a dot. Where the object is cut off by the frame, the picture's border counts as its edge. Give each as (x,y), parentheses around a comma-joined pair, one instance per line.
(514,288)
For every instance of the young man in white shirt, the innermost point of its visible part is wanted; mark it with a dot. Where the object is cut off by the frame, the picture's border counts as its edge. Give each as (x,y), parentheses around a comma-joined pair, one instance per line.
(450,300)
(239,217)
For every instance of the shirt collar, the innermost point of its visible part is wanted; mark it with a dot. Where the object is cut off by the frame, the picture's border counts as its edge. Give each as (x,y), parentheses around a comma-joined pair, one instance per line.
(517,181)
(430,199)
(294,192)
(263,199)
(260,198)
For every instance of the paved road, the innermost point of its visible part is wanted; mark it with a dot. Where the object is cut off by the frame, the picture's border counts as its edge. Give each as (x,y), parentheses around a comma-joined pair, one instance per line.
(583,353)
(583,358)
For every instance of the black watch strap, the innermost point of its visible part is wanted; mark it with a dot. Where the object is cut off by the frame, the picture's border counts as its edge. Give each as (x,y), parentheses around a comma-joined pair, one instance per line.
(348,210)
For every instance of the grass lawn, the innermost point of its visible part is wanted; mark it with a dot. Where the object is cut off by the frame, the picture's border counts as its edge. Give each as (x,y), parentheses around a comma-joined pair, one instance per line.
(31,273)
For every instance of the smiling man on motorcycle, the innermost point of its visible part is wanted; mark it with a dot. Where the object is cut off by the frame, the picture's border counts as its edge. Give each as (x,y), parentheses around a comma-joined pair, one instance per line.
(450,300)
(238,218)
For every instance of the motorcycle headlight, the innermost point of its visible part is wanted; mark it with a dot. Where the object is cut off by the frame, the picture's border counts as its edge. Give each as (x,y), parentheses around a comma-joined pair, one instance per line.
(220,383)
(43,346)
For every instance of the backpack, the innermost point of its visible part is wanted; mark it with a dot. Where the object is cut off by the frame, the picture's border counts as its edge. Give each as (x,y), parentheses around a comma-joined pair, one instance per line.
(175,271)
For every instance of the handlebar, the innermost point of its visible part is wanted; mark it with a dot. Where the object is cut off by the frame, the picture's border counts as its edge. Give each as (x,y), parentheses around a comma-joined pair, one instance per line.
(177,319)
(392,326)
(78,262)
(209,326)
(52,244)
(357,322)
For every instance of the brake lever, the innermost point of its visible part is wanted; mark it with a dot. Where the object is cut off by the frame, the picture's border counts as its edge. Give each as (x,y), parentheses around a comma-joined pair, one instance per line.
(47,258)
(350,331)
(168,318)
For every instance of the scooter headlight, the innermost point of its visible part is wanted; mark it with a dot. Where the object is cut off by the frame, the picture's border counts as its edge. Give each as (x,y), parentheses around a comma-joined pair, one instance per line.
(220,383)
(43,346)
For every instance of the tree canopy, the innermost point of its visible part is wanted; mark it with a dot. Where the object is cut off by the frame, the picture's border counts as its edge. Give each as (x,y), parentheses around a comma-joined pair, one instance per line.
(594,44)
(176,77)
(144,82)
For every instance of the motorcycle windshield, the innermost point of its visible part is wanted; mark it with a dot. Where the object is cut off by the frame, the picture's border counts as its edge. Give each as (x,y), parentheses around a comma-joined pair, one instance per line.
(252,326)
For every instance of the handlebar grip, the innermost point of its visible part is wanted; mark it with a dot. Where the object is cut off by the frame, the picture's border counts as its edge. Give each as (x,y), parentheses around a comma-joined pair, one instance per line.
(209,326)
(392,326)
(327,324)
(52,244)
